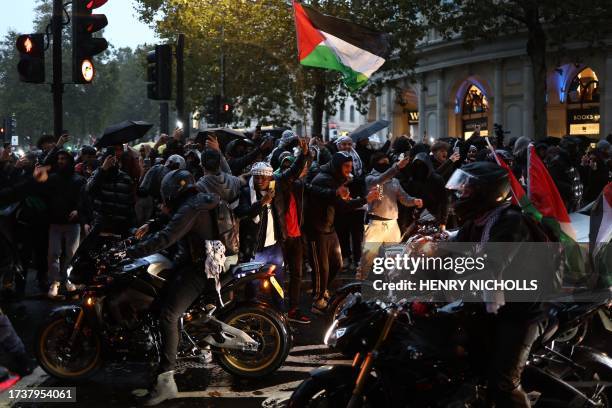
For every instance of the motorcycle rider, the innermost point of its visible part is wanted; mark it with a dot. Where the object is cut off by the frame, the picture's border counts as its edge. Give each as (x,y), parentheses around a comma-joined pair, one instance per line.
(192,221)
(481,189)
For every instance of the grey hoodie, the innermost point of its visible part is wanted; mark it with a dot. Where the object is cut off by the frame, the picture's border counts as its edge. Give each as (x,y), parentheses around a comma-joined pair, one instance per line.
(224,184)
(392,193)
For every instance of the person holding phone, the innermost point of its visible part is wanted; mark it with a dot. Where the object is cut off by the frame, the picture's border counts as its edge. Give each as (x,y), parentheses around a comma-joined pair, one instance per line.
(264,209)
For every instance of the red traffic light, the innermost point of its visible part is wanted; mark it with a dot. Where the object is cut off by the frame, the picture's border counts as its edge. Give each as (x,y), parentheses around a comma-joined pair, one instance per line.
(94,4)
(26,44)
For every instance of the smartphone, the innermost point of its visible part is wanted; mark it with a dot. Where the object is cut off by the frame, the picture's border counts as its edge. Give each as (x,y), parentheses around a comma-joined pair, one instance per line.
(272,184)
(593,146)
(456,150)
(110,151)
(401,157)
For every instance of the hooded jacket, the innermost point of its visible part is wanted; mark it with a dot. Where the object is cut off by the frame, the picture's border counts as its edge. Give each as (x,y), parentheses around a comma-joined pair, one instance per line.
(420,179)
(192,224)
(252,234)
(323,203)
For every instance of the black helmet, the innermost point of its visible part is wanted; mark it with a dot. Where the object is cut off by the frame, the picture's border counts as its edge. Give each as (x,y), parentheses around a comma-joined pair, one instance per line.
(174,185)
(478,187)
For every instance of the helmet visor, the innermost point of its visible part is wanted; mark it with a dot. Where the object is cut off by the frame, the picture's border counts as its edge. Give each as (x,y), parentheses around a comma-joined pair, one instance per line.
(460,180)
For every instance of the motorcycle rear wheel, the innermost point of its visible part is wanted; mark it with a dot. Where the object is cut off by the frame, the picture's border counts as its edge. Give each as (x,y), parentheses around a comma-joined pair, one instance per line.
(59,361)
(266,327)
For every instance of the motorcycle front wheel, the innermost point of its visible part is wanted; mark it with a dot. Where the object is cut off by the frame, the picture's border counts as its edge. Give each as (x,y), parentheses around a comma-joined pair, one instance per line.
(269,330)
(60,360)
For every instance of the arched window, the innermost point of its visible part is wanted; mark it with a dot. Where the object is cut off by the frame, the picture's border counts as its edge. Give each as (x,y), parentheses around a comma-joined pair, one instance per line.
(475,101)
(352,114)
(474,111)
(583,116)
(342,115)
(584,88)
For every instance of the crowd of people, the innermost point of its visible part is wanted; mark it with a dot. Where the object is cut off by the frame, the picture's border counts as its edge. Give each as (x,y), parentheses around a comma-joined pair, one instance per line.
(299,203)
(319,202)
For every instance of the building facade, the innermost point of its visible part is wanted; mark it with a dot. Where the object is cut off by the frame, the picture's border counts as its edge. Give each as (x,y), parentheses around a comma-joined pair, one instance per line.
(459,90)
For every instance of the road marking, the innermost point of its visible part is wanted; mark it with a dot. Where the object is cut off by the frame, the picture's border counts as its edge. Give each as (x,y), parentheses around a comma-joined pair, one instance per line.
(309,347)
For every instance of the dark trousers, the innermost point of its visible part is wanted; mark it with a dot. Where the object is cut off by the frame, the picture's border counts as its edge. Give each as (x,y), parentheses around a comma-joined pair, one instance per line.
(187,285)
(34,240)
(326,261)
(349,227)
(292,251)
(510,345)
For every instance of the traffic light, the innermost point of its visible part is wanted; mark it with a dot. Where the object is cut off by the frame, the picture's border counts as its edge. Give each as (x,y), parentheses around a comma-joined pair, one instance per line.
(159,72)
(84,45)
(3,130)
(227,113)
(31,65)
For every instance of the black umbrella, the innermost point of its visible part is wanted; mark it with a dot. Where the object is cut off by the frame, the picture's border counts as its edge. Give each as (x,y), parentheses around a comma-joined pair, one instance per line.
(368,129)
(123,132)
(224,135)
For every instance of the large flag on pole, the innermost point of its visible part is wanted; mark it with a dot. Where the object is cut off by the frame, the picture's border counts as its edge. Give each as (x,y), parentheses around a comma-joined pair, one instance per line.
(339,45)
(543,202)
(545,197)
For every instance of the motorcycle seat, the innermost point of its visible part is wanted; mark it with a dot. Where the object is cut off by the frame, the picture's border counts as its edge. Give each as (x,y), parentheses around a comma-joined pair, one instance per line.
(244,269)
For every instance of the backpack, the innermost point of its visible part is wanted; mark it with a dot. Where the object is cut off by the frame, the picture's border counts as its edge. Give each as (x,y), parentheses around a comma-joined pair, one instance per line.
(228,228)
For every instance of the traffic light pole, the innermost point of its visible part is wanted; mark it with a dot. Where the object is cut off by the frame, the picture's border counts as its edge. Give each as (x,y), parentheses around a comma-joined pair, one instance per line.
(164,120)
(57,87)
(180,86)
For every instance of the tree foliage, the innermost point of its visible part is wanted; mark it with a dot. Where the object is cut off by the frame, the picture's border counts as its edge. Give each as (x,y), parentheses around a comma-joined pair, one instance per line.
(117,93)
(257,40)
(548,25)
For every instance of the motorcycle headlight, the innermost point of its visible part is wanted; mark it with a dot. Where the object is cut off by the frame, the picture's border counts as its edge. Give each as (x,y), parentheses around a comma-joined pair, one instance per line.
(333,334)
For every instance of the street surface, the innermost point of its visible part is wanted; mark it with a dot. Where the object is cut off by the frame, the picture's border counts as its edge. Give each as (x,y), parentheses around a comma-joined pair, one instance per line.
(118,386)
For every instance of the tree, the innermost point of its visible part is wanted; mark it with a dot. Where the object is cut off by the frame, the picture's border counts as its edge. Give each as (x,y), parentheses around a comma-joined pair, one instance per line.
(117,93)
(257,42)
(547,24)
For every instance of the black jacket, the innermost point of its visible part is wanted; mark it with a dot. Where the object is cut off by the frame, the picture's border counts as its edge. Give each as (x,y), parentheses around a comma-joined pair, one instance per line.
(193,222)
(420,180)
(323,203)
(113,197)
(151,182)
(253,235)
(63,194)
(511,227)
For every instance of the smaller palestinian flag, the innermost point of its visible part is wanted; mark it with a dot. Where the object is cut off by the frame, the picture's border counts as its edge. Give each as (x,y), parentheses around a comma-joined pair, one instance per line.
(339,45)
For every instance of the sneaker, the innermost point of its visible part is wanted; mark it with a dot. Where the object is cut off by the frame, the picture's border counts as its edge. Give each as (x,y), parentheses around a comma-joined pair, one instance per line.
(319,306)
(53,292)
(295,315)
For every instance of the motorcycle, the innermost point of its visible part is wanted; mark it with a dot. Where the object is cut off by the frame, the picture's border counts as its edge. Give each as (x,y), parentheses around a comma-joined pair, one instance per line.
(406,355)
(117,320)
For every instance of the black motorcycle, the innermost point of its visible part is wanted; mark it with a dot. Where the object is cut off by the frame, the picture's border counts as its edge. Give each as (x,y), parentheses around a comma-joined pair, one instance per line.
(117,320)
(409,355)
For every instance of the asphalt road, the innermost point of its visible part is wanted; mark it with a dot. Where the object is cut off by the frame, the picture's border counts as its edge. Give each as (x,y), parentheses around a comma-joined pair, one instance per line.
(119,385)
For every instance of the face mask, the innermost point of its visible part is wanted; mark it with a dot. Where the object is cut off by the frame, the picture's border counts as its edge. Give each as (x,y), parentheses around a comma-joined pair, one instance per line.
(382,167)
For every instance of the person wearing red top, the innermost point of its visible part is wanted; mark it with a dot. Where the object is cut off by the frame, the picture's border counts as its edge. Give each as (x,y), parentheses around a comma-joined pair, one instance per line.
(290,197)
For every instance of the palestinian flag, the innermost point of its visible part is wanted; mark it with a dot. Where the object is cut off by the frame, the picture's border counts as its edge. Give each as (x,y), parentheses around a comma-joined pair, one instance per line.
(543,202)
(339,45)
(600,237)
(545,197)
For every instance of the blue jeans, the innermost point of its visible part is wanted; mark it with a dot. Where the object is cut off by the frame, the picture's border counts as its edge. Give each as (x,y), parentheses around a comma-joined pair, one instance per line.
(273,254)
